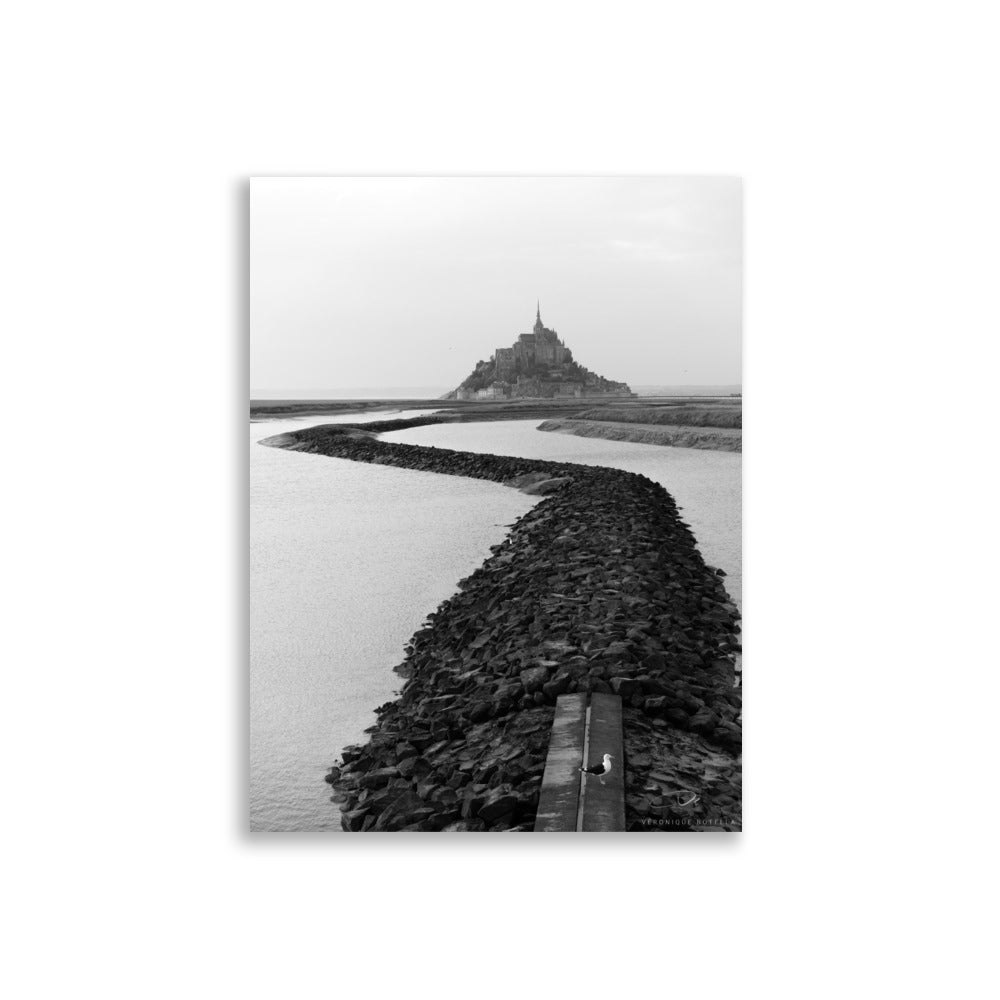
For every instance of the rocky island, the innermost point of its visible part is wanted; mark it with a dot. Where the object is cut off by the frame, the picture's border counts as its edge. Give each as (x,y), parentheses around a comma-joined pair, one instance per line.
(538,366)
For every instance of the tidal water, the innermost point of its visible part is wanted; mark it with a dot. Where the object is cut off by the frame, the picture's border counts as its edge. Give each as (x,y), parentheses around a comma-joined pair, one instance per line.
(707,485)
(346,561)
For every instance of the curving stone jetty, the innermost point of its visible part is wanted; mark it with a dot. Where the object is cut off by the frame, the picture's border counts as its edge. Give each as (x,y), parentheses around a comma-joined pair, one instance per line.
(598,588)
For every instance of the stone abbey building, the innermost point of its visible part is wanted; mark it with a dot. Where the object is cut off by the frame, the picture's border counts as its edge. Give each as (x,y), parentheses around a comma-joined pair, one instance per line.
(539,365)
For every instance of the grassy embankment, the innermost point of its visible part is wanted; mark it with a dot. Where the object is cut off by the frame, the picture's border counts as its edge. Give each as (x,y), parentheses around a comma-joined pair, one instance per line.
(717,428)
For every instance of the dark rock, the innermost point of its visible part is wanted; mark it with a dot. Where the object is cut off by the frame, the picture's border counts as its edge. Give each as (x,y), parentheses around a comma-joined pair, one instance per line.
(704,719)
(498,803)
(533,678)
(378,778)
(421,767)
(465,826)
(558,685)
(622,686)
(529,478)
(407,766)
(352,821)
(654,663)
(479,712)
(472,803)
(655,686)
(425,789)
(546,486)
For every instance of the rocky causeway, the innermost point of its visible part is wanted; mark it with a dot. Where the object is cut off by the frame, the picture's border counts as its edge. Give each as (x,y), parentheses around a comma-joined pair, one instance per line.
(599,587)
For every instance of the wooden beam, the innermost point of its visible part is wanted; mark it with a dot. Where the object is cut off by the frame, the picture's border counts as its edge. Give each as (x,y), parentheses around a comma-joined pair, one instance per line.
(602,809)
(559,800)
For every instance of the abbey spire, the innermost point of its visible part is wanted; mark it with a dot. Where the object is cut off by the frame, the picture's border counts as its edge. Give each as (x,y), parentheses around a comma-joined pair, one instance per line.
(538,315)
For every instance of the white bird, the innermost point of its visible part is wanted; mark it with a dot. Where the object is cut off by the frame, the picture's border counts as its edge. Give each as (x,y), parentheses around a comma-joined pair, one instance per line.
(603,769)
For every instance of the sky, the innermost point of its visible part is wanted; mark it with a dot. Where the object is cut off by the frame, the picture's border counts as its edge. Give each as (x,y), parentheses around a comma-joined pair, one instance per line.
(409,281)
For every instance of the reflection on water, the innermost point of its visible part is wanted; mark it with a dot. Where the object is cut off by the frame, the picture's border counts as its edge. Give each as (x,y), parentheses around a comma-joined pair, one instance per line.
(705,484)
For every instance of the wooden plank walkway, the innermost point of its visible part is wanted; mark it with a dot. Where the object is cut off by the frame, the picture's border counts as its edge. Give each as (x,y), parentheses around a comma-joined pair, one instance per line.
(602,806)
(571,801)
(559,801)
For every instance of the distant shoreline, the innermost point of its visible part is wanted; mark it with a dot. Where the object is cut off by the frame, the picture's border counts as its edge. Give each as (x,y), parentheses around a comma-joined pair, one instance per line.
(678,436)
(678,422)
(543,407)
(270,409)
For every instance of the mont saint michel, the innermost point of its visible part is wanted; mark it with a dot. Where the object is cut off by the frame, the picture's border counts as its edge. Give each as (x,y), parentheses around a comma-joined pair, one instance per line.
(538,366)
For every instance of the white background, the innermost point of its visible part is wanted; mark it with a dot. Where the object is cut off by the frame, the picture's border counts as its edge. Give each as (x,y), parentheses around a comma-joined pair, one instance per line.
(866,133)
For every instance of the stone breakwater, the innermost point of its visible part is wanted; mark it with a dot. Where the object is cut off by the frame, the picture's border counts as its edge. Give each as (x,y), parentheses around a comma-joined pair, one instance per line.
(598,588)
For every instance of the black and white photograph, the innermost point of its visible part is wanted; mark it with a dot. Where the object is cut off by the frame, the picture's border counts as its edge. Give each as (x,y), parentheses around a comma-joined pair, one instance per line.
(460,456)
(495,504)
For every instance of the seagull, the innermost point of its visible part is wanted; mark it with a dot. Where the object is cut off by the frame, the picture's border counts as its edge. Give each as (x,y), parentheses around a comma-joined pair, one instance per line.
(603,769)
